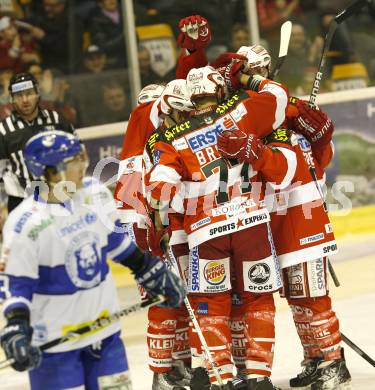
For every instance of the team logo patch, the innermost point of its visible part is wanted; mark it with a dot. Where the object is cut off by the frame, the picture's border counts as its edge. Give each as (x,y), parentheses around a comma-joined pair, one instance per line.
(214,272)
(82,260)
(259,273)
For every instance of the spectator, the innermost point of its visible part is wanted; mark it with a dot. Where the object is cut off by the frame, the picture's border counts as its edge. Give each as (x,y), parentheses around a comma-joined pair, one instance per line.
(15,49)
(148,76)
(60,36)
(106,30)
(115,103)
(341,50)
(272,14)
(300,61)
(239,37)
(94,60)
(115,106)
(5,105)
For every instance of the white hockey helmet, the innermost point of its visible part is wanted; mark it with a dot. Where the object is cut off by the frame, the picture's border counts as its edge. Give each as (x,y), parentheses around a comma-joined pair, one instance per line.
(206,81)
(175,97)
(257,56)
(150,93)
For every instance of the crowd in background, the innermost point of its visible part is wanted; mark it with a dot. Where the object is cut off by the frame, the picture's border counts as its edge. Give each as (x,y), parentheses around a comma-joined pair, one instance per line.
(76,49)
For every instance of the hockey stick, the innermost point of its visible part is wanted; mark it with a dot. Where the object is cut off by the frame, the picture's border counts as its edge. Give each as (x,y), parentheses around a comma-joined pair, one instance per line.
(352,8)
(94,326)
(173,263)
(358,350)
(339,18)
(285,32)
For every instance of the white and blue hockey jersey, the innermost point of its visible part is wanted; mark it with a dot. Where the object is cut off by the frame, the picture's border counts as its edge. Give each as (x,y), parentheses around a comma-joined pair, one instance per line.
(56,263)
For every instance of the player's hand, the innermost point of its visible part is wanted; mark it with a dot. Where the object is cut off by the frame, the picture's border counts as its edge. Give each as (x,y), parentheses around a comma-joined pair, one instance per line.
(157,279)
(232,75)
(226,58)
(313,124)
(15,339)
(195,33)
(238,145)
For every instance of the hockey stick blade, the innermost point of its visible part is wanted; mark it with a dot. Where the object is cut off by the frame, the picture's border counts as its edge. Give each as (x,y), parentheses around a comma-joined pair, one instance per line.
(285,33)
(358,350)
(96,325)
(350,10)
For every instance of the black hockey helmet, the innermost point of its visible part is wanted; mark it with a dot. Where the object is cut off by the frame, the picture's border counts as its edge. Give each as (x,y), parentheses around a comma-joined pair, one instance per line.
(22,81)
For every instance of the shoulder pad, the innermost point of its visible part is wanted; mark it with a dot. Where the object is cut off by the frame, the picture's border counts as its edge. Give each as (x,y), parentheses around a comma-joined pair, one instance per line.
(280,135)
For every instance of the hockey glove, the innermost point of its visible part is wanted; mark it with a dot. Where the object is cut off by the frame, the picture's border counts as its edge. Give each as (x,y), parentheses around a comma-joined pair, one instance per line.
(157,279)
(232,75)
(195,33)
(15,339)
(313,124)
(226,58)
(238,145)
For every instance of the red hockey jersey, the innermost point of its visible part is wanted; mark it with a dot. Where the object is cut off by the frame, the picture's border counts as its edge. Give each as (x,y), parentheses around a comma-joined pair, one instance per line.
(220,196)
(300,225)
(129,190)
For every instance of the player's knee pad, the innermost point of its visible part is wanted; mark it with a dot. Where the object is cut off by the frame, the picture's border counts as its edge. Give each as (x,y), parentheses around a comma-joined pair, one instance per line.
(119,381)
(306,280)
(161,333)
(212,312)
(259,320)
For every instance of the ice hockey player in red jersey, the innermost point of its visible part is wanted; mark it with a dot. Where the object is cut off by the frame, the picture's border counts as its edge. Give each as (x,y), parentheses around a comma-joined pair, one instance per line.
(223,207)
(144,119)
(167,333)
(302,232)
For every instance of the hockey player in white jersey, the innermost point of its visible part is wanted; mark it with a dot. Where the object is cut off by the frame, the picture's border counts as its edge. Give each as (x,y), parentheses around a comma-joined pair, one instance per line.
(56,245)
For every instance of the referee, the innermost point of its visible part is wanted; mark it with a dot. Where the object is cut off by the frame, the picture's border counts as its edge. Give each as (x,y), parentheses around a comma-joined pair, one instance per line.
(26,120)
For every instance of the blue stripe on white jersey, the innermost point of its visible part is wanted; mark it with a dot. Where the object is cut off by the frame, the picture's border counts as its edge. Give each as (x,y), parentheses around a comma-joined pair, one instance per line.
(120,246)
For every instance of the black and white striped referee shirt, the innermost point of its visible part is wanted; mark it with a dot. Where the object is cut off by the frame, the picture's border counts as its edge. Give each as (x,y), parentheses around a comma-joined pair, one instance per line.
(14,133)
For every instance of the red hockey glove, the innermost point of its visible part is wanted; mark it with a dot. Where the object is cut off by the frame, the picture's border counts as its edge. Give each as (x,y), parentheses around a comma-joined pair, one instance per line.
(313,124)
(232,75)
(226,58)
(195,33)
(239,145)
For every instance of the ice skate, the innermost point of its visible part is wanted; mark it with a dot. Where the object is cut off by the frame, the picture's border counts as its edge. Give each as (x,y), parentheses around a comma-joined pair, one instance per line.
(227,386)
(309,374)
(333,375)
(262,383)
(167,381)
(199,380)
(185,372)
